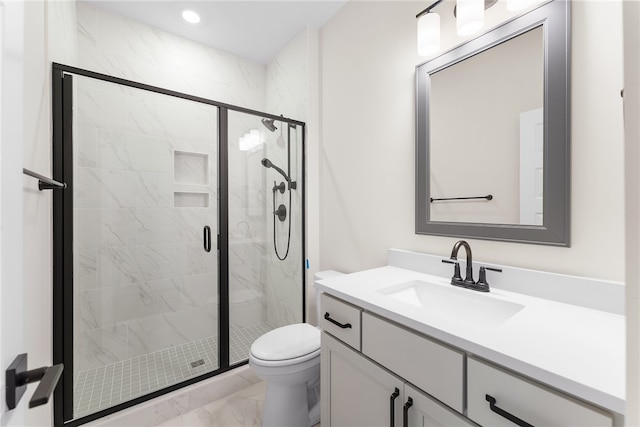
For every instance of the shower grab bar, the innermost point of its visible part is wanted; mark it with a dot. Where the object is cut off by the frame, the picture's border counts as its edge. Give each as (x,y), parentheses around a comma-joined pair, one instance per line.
(45,183)
(488,197)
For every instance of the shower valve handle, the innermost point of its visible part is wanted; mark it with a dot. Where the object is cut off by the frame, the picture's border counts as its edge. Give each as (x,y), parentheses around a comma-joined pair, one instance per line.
(279,187)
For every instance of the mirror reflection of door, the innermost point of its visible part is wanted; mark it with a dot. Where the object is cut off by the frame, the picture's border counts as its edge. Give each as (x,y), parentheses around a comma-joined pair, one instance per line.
(531,166)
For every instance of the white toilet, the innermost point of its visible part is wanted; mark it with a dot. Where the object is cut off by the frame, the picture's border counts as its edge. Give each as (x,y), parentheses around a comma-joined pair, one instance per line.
(288,360)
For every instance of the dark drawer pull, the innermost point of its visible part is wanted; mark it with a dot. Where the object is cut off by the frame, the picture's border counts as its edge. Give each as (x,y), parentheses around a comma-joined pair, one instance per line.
(327,316)
(505,414)
(392,409)
(405,412)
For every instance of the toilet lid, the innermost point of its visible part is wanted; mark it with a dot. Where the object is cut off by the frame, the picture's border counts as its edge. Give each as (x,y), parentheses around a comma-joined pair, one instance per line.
(287,342)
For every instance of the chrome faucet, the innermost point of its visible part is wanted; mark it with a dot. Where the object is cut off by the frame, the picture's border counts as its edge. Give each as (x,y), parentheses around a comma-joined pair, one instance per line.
(468,280)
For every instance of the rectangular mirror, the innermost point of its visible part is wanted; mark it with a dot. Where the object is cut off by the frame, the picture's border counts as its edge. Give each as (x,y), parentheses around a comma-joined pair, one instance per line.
(492,138)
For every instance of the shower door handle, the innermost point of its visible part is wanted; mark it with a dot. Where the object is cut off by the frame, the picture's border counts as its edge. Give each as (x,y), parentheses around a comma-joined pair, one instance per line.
(207,238)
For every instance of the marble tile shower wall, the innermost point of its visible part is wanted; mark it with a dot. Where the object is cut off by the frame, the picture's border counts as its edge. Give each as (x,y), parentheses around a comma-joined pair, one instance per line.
(284,293)
(114,45)
(142,279)
(266,289)
(147,311)
(287,84)
(248,235)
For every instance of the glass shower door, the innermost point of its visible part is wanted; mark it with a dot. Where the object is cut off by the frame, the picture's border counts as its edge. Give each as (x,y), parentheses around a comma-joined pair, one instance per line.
(145,257)
(265,228)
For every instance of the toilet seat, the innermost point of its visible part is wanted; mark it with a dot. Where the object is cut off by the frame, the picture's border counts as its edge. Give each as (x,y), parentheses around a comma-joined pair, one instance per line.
(287,345)
(287,362)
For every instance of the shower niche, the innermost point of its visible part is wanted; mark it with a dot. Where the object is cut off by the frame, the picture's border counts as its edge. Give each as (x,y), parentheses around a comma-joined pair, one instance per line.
(190,170)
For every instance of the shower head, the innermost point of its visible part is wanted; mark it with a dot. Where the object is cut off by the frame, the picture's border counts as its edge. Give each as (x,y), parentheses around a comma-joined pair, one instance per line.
(268,123)
(267,164)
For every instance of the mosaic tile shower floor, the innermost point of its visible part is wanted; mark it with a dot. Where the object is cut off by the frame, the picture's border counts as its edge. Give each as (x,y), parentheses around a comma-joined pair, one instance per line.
(110,385)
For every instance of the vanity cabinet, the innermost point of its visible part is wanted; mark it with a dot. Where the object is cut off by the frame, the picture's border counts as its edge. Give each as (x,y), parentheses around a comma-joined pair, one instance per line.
(517,397)
(357,392)
(431,366)
(389,375)
(341,320)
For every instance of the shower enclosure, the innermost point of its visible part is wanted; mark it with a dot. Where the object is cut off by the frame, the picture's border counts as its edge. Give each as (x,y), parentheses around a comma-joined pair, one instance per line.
(174,246)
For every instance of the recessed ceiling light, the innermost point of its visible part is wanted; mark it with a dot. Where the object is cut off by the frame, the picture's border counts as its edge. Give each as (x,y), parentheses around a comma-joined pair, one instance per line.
(191,17)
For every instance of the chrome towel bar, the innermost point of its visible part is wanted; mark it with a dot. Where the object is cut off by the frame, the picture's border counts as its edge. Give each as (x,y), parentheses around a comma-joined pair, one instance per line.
(45,183)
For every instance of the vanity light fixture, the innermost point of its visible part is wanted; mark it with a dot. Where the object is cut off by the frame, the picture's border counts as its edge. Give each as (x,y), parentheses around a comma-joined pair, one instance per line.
(469,20)
(428,31)
(190,16)
(470,17)
(515,5)
(428,34)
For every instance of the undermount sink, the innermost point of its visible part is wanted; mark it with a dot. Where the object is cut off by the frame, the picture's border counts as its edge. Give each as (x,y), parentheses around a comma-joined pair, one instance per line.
(457,304)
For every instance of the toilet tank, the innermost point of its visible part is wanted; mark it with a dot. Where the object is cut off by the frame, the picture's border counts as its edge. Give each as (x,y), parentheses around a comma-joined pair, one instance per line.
(319,276)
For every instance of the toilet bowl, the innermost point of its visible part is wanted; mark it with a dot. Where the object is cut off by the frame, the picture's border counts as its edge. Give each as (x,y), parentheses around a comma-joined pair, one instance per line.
(288,360)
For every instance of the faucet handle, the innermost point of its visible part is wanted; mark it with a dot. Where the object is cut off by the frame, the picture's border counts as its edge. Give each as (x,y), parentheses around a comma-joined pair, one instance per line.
(482,285)
(456,279)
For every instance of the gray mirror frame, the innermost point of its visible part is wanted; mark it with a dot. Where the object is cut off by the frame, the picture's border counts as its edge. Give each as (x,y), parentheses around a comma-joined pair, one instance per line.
(554,17)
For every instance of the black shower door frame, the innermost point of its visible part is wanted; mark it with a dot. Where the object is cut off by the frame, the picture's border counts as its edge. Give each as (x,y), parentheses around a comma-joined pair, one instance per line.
(62,154)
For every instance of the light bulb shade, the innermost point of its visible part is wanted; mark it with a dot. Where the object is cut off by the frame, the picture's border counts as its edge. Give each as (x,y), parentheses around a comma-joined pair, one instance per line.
(428,34)
(470,16)
(190,16)
(515,5)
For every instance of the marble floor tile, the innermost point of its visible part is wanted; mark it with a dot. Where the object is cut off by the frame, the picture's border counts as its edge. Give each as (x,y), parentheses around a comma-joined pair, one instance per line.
(241,409)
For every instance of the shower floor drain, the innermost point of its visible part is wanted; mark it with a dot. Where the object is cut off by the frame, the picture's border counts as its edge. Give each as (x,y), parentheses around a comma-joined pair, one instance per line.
(197,363)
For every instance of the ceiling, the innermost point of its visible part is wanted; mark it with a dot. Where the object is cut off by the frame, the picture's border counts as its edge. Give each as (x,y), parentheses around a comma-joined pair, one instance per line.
(256,30)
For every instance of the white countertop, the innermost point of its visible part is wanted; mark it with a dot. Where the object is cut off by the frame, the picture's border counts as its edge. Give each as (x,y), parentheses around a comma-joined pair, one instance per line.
(578,350)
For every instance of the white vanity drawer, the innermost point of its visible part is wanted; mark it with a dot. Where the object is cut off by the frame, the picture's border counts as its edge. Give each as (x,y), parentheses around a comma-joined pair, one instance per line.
(434,368)
(341,320)
(532,403)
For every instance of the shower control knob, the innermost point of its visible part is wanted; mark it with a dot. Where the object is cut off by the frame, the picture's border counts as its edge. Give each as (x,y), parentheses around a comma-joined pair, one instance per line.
(281,213)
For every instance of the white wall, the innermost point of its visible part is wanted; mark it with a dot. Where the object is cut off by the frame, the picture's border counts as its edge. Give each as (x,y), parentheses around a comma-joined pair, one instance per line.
(37,204)
(12,315)
(367,150)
